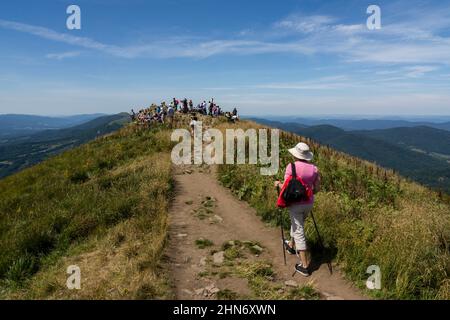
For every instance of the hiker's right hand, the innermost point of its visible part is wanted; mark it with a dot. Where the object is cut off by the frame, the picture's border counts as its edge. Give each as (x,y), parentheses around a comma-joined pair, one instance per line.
(277,183)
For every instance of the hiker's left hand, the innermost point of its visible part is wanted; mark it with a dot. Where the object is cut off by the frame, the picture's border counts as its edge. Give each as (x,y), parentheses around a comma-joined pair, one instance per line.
(277,183)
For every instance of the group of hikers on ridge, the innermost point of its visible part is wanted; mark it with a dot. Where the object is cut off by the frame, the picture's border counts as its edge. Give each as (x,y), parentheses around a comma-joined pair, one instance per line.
(301,177)
(165,113)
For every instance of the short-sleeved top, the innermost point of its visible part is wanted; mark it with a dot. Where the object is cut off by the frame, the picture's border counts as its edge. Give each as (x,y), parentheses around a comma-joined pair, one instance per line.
(308,172)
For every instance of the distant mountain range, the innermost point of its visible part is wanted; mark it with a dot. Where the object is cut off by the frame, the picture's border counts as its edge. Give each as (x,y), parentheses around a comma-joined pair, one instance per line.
(420,153)
(21,151)
(362,124)
(12,125)
(420,139)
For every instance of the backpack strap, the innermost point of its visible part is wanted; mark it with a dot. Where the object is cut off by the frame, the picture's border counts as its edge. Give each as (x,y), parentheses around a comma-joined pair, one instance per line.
(294,172)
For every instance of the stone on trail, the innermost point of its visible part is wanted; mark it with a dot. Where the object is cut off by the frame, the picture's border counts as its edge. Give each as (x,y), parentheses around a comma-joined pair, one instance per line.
(187,291)
(210,287)
(291,283)
(203,261)
(182,235)
(187,259)
(257,249)
(214,290)
(211,290)
(199,292)
(218,258)
(216,219)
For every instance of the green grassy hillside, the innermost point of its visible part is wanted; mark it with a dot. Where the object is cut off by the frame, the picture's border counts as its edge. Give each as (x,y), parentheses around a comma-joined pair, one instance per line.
(26,150)
(368,216)
(103,206)
(106,200)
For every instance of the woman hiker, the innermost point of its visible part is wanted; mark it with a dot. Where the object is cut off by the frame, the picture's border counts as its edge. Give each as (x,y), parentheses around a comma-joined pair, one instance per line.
(300,210)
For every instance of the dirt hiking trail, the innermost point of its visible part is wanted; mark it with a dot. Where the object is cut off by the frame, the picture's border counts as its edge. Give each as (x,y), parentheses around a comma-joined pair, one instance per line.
(220,249)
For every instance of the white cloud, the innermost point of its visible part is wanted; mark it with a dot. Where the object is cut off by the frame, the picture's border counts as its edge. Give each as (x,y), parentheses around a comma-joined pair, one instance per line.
(397,43)
(53,35)
(400,53)
(306,24)
(63,55)
(323,83)
(164,49)
(419,71)
(412,38)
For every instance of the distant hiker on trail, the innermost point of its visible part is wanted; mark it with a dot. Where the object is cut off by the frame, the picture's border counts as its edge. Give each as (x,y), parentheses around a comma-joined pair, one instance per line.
(298,196)
(163,115)
(203,108)
(193,124)
(185,105)
(170,115)
(211,107)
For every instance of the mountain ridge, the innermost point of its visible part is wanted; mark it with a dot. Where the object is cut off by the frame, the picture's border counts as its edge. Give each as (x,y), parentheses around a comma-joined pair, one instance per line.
(358,124)
(12,125)
(430,170)
(22,151)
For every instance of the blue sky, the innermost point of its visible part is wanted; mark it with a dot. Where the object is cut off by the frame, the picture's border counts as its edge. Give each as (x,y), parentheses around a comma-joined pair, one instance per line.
(290,57)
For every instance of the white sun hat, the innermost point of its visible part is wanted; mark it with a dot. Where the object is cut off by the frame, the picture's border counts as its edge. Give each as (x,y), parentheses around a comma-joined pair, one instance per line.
(301,151)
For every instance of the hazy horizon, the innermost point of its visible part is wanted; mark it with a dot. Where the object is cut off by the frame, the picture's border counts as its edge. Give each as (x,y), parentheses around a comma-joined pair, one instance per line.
(411,118)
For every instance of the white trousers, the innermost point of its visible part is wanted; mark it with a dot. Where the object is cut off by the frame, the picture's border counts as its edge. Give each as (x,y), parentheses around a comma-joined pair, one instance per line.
(298,213)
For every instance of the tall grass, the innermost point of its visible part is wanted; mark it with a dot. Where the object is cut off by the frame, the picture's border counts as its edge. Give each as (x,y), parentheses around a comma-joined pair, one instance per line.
(48,209)
(368,216)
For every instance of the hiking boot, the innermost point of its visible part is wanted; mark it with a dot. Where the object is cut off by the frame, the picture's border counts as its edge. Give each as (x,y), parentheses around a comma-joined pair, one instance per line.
(302,270)
(288,247)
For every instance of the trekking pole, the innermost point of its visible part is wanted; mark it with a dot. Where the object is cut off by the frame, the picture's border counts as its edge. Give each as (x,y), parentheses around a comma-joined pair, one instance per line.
(330,267)
(282,231)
